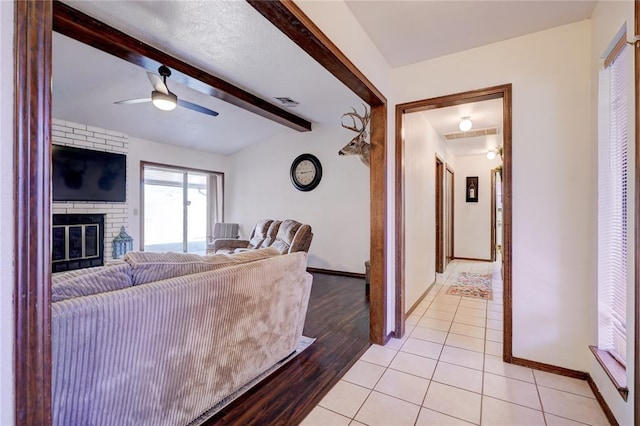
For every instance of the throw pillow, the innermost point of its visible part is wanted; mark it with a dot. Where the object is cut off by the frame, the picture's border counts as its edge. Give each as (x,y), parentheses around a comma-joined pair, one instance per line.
(83,282)
(148,267)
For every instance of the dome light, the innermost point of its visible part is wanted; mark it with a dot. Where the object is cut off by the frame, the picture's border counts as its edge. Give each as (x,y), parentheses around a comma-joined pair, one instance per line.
(465,124)
(491,155)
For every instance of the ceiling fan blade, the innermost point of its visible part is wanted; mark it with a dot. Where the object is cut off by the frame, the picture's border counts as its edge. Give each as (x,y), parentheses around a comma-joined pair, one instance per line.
(133,101)
(157,83)
(196,108)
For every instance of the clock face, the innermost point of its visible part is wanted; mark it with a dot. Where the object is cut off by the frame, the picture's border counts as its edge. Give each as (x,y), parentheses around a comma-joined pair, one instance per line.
(306,172)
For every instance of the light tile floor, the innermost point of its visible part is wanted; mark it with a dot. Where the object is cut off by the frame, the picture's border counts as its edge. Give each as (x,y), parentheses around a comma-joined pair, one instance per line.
(448,370)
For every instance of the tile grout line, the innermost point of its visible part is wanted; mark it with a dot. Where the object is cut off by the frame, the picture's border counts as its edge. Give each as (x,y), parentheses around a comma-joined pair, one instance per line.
(441,349)
(484,358)
(544,416)
(443,344)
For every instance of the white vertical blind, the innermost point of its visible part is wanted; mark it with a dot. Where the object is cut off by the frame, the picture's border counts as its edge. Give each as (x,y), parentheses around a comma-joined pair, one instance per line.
(612,208)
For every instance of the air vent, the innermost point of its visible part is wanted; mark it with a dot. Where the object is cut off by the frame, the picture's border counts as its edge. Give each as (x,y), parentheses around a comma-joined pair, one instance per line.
(288,102)
(472,133)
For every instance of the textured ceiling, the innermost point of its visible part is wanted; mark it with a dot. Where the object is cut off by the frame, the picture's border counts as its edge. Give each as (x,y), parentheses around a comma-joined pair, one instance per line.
(485,114)
(225,38)
(406,32)
(233,41)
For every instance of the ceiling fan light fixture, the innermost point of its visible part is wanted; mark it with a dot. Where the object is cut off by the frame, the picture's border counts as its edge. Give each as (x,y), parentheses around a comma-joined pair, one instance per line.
(465,124)
(165,102)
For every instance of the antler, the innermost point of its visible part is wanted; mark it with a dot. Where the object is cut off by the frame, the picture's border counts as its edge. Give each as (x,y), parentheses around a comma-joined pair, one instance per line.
(364,120)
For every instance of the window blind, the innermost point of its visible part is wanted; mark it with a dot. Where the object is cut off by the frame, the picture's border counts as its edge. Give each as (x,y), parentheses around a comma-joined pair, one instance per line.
(612,209)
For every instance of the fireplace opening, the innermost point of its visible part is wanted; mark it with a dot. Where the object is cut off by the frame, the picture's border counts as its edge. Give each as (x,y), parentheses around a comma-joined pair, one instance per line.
(77,241)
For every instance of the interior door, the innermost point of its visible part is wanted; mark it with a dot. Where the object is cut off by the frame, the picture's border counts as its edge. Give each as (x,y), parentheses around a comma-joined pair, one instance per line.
(493,215)
(449,182)
(439,178)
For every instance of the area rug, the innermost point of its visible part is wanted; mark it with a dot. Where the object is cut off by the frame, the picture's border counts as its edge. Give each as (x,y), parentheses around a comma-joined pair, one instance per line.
(304,343)
(469,284)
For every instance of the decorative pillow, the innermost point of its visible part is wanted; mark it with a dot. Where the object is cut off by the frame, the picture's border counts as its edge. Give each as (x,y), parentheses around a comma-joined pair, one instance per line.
(148,267)
(83,282)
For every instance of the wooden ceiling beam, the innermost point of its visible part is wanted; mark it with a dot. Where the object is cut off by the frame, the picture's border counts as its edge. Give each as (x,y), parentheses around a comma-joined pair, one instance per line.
(293,22)
(85,29)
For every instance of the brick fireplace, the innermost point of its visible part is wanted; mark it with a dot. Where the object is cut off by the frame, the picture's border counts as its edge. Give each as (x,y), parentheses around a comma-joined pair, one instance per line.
(115,215)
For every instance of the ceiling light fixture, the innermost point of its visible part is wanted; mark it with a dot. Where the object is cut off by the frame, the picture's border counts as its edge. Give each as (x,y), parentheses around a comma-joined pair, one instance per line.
(465,124)
(491,155)
(165,102)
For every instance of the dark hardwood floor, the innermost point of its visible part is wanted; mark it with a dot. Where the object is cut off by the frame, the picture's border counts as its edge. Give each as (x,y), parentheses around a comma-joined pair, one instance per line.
(338,317)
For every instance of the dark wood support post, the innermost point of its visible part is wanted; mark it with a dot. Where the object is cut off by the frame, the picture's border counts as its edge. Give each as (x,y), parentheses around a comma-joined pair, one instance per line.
(32,210)
(378,202)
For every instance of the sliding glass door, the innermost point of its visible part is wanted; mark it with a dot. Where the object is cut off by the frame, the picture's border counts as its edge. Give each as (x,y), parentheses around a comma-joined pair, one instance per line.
(180,207)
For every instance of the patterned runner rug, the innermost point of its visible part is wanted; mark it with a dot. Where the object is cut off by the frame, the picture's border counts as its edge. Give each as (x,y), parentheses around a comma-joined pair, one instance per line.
(469,284)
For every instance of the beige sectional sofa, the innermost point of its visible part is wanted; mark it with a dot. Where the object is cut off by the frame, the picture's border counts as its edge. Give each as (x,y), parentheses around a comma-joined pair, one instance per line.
(161,338)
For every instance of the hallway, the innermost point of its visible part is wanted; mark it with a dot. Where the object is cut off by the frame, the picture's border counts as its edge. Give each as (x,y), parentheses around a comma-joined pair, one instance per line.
(448,370)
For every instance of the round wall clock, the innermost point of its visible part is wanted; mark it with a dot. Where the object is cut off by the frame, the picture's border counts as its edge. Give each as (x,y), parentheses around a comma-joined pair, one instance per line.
(306,172)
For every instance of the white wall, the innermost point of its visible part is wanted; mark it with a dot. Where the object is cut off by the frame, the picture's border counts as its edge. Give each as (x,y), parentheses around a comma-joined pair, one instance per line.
(551,196)
(607,19)
(259,187)
(335,20)
(472,221)
(421,144)
(6,213)
(143,150)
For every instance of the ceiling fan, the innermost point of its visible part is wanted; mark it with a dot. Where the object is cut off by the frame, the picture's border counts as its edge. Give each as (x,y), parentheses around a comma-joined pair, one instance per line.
(162,98)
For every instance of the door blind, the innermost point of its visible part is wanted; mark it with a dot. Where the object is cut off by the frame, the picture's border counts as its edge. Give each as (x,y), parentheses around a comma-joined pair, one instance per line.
(612,209)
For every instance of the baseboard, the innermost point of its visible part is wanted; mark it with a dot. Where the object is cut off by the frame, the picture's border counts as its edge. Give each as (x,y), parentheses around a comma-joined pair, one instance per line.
(601,401)
(338,273)
(473,259)
(570,373)
(420,299)
(550,368)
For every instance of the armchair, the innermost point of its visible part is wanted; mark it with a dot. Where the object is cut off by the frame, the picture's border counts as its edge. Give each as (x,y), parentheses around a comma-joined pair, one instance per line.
(230,245)
(222,230)
(225,230)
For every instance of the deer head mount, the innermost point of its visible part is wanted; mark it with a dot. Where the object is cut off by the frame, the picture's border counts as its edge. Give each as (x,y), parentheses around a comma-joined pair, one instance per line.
(358,145)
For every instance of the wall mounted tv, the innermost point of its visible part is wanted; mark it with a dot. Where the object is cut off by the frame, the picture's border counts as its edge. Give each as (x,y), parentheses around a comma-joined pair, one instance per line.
(87,175)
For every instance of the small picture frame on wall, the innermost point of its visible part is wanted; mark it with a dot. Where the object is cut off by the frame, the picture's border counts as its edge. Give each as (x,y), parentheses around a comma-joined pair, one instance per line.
(472,189)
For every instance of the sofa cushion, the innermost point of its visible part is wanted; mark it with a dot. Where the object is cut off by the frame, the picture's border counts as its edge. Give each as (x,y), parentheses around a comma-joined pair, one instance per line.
(272,233)
(83,282)
(148,267)
(287,231)
(240,256)
(259,233)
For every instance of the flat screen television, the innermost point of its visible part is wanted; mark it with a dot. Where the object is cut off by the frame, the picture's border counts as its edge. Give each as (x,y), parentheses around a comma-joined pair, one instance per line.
(88,175)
